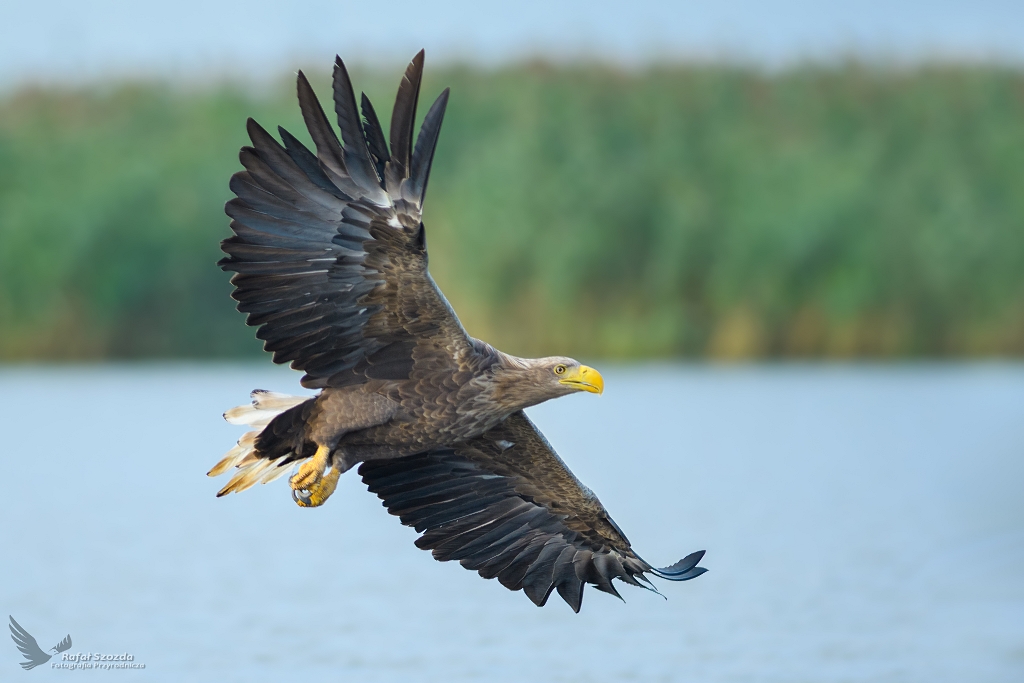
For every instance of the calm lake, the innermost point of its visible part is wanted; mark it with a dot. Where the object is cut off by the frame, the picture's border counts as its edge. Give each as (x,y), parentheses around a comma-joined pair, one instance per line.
(862,523)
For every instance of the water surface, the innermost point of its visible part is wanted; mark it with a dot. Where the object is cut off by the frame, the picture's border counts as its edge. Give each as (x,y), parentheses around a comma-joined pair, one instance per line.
(862,524)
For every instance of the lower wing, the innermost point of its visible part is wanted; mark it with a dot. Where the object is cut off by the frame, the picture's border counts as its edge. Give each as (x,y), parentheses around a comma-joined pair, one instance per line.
(504,504)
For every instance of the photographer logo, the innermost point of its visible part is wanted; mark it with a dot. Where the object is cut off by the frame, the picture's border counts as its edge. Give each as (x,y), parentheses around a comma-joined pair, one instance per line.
(35,656)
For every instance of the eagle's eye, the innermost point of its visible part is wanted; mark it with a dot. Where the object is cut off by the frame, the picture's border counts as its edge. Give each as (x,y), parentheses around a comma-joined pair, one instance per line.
(559,369)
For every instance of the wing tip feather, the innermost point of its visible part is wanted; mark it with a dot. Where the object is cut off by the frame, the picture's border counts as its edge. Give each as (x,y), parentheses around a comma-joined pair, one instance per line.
(683,570)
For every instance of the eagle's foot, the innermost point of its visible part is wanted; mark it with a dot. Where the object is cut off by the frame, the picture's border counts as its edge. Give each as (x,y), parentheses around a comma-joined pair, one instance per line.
(317,494)
(311,471)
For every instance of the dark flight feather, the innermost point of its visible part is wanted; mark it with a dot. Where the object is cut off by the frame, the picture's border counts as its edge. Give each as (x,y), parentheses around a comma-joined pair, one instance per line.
(515,513)
(328,264)
(328,147)
(374,135)
(426,143)
(308,162)
(403,117)
(357,156)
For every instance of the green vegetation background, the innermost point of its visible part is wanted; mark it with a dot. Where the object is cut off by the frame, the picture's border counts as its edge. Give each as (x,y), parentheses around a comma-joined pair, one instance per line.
(677,211)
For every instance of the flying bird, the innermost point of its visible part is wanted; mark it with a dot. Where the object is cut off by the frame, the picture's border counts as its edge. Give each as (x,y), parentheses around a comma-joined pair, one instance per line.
(30,649)
(329,256)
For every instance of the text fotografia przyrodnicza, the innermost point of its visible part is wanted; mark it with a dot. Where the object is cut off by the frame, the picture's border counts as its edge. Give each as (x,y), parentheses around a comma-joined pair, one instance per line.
(97,660)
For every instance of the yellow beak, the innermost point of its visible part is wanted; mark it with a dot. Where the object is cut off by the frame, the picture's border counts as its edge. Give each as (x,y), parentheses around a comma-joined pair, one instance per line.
(584,378)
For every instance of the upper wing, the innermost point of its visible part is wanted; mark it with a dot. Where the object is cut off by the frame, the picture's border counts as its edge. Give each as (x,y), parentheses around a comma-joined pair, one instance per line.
(329,249)
(506,505)
(28,646)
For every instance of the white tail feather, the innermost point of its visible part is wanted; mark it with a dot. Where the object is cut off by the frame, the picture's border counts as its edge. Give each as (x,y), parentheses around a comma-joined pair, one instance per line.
(230,460)
(272,400)
(250,415)
(246,476)
(278,470)
(249,438)
(266,405)
(250,458)
(234,457)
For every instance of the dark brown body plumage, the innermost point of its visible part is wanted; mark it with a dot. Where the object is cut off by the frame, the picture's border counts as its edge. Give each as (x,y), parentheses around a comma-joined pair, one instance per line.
(434,407)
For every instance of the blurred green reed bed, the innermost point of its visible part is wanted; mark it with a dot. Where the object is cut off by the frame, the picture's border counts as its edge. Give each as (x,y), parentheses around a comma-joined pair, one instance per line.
(677,211)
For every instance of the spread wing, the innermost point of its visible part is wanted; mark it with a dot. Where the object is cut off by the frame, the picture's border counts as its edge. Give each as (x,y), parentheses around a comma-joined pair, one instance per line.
(28,646)
(504,504)
(329,248)
(63,645)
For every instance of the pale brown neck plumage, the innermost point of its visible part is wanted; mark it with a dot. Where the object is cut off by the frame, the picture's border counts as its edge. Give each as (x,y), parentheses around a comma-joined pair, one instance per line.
(524,382)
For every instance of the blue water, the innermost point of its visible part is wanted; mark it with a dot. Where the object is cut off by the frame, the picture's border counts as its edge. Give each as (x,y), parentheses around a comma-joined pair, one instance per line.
(75,40)
(862,523)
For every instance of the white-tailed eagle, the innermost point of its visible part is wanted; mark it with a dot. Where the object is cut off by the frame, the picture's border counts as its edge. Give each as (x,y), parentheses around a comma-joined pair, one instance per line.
(330,259)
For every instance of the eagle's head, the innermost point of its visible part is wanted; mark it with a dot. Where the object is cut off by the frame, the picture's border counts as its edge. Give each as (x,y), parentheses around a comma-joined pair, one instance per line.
(565,375)
(525,382)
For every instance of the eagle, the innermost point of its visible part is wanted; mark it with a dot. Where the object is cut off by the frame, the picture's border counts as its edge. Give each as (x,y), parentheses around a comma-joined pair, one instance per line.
(329,256)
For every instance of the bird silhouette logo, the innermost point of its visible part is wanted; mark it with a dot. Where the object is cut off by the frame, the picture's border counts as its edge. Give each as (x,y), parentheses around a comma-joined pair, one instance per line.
(30,649)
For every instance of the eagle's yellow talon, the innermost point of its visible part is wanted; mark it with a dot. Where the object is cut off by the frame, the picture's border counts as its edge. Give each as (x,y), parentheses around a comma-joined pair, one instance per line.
(317,494)
(311,471)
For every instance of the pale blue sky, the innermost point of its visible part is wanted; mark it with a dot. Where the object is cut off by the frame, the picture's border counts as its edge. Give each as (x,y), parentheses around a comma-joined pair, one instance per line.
(76,40)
